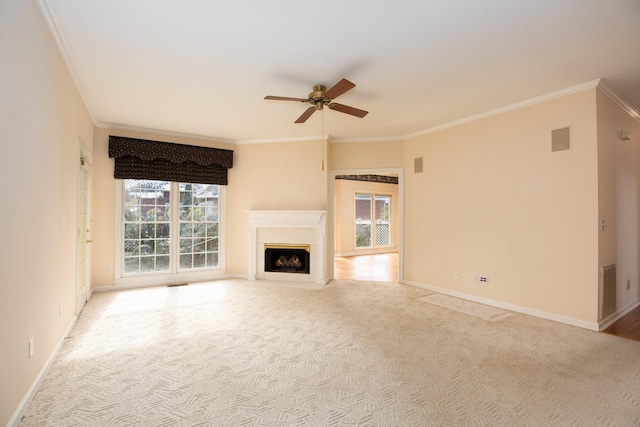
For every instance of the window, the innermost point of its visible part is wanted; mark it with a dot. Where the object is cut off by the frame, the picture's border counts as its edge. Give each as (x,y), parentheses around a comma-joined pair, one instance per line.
(199,226)
(169,227)
(373,220)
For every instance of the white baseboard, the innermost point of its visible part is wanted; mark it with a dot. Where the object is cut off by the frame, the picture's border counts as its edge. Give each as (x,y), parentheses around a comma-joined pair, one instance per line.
(26,401)
(512,307)
(153,283)
(237,276)
(604,324)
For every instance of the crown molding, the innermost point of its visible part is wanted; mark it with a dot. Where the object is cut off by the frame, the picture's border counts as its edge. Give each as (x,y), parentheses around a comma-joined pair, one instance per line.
(526,103)
(54,27)
(275,140)
(112,126)
(618,99)
(52,22)
(372,139)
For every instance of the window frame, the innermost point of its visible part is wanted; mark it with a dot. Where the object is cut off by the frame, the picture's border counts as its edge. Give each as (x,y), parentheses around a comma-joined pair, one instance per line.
(175,275)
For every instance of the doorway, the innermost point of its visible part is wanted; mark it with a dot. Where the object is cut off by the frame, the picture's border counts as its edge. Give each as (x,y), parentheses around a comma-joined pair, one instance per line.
(83,234)
(370,268)
(366,223)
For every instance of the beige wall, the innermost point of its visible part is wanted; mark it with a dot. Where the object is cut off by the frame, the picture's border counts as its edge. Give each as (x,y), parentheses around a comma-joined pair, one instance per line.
(276,176)
(366,155)
(345,192)
(619,197)
(42,124)
(494,200)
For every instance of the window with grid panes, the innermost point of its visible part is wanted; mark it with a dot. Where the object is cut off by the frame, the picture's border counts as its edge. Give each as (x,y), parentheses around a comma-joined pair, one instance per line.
(372,220)
(169,227)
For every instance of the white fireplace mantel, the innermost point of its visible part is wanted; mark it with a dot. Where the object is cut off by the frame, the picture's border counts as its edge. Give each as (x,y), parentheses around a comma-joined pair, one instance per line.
(288,227)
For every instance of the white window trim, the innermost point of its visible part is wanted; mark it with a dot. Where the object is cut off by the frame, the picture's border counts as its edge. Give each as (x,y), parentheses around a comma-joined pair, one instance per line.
(162,278)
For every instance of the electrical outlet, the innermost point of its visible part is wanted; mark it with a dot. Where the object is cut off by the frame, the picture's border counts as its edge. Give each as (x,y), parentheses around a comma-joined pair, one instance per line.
(484,279)
(476,277)
(456,275)
(107,269)
(30,348)
(59,310)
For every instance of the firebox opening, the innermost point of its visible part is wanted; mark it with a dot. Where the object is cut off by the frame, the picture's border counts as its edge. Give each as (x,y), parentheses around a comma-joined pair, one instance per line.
(287,258)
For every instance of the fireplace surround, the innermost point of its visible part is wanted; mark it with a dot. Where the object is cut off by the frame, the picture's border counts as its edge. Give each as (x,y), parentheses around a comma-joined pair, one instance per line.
(300,230)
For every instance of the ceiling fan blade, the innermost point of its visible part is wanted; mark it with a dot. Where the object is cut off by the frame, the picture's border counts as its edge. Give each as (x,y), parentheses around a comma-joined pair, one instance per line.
(307,113)
(348,110)
(339,88)
(284,98)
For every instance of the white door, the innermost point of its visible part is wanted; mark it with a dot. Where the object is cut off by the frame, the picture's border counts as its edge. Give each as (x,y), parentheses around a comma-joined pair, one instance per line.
(84,187)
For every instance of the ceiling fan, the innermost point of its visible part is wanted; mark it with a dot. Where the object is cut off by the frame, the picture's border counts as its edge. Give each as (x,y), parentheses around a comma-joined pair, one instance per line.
(321,97)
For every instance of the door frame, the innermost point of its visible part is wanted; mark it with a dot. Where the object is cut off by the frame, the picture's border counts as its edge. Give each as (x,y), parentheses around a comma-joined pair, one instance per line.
(332,214)
(83,234)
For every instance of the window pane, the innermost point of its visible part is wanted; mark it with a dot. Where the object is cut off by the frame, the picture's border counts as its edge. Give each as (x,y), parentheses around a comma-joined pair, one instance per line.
(162,263)
(162,246)
(131,231)
(212,245)
(212,260)
(186,261)
(363,220)
(186,214)
(186,229)
(162,231)
(147,247)
(186,246)
(198,225)
(148,231)
(200,230)
(199,261)
(383,220)
(146,219)
(131,265)
(147,263)
(131,247)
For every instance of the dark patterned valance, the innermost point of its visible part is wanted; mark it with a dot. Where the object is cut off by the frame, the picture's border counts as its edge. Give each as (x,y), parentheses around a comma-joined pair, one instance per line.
(370,178)
(144,159)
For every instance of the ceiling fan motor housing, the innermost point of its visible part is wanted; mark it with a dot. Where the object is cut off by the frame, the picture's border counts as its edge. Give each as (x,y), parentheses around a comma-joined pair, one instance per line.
(318,93)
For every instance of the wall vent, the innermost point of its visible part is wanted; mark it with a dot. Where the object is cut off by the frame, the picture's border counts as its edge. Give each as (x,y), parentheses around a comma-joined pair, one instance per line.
(560,139)
(607,291)
(417,165)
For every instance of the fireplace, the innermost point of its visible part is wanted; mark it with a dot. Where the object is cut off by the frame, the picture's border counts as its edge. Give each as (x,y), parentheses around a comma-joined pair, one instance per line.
(300,234)
(287,258)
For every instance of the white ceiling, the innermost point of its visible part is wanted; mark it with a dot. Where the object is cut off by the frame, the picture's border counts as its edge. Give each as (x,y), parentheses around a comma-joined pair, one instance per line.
(203,67)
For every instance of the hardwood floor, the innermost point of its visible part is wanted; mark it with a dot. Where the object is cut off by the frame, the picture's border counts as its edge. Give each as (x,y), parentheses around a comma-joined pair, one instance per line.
(375,268)
(628,326)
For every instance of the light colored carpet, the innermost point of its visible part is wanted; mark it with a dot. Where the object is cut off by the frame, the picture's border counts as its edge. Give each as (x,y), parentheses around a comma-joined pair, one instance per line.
(352,354)
(471,308)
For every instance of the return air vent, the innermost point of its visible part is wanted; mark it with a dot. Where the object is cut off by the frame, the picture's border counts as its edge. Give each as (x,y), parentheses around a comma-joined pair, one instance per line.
(560,139)
(607,291)
(417,165)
